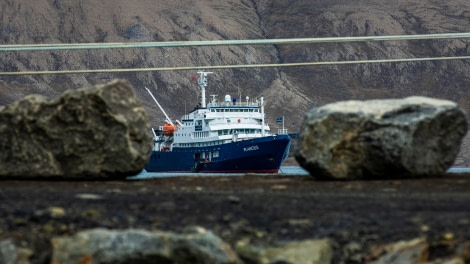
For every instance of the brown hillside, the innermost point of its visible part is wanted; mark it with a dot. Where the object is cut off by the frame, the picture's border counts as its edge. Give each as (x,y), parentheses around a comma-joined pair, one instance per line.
(288,91)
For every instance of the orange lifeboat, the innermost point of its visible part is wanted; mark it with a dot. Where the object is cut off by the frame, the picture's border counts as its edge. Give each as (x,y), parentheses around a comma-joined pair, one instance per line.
(168,129)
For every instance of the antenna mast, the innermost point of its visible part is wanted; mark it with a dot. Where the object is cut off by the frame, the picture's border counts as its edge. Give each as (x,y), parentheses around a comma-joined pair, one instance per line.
(202,81)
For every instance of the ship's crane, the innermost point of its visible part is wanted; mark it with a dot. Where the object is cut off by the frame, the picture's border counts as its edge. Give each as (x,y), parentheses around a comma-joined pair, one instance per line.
(167,119)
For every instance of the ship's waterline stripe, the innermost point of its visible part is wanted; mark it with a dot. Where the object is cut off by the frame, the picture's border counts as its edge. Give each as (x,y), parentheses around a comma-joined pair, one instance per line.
(69,46)
(184,68)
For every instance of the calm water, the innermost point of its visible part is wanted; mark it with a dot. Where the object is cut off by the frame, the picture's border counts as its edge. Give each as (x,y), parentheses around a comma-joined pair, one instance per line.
(459,170)
(285,170)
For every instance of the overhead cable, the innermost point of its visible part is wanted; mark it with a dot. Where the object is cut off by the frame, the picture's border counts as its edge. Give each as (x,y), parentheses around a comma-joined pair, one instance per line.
(296,64)
(74,46)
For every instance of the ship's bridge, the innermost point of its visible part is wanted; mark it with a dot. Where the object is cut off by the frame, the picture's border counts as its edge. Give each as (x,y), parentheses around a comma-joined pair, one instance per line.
(233,111)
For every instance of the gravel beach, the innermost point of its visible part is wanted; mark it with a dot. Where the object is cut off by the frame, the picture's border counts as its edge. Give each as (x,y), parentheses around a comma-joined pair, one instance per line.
(272,209)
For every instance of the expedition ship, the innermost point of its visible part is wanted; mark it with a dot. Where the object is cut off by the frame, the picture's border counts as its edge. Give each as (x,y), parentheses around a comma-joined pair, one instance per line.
(225,137)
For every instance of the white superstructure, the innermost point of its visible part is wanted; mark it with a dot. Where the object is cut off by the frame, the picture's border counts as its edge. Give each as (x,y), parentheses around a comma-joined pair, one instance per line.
(215,123)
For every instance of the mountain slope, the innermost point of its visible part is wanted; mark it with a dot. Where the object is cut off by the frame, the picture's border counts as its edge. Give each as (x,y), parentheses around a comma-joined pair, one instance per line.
(289,91)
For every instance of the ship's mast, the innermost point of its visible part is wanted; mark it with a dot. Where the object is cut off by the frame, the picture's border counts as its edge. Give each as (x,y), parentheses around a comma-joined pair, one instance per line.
(202,81)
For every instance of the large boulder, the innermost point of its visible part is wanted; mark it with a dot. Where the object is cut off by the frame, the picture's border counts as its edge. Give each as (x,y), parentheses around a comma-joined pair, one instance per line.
(305,251)
(140,246)
(99,132)
(411,137)
(11,254)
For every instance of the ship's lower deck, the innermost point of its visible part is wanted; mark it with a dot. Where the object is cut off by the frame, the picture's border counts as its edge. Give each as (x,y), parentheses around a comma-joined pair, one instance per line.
(258,155)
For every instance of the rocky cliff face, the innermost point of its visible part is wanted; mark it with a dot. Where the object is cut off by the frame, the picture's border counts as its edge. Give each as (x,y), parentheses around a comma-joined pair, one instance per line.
(289,91)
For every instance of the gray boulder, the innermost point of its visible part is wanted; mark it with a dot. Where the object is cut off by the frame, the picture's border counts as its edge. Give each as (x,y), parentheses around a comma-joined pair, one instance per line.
(305,251)
(143,247)
(8,252)
(11,254)
(99,132)
(411,137)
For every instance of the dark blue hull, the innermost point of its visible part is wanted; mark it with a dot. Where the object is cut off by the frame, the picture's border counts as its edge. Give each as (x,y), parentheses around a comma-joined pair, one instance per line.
(259,155)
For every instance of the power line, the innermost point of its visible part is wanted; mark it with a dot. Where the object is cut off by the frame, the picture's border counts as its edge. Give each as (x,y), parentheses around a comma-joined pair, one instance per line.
(74,46)
(297,64)
(69,46)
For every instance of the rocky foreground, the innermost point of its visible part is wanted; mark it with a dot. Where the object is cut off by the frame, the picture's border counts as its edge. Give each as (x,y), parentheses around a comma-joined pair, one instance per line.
(87,213)
(258,217)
